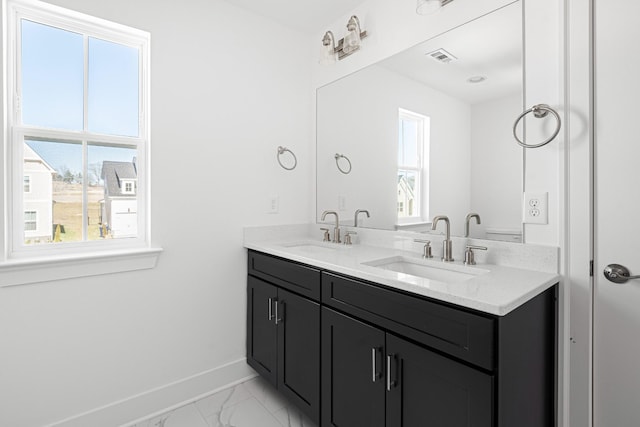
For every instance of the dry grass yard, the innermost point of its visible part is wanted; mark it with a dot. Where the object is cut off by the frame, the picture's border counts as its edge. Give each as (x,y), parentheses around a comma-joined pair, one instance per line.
(67,210)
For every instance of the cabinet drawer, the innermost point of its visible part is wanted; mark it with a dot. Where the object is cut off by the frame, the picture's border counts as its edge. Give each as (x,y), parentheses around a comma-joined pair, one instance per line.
(464,335)
(295,277)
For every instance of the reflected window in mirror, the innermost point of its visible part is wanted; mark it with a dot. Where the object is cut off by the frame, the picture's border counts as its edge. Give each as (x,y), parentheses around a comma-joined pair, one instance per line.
(413,144)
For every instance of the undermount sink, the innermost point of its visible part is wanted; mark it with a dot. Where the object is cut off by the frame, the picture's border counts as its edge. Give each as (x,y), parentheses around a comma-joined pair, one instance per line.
(311,247)
(448,273)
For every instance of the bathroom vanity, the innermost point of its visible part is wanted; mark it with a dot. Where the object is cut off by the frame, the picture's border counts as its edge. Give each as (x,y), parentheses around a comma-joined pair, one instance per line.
(352,351)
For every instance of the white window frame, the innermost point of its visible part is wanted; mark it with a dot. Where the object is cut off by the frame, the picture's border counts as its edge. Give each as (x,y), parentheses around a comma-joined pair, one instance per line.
(422,175)
(22,264)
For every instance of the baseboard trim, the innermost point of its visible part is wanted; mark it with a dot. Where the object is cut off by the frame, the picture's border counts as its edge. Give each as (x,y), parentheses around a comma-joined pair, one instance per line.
(133,409)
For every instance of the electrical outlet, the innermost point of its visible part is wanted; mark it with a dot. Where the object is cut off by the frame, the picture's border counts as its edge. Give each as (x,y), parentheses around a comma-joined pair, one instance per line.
(536,208)
(273,205)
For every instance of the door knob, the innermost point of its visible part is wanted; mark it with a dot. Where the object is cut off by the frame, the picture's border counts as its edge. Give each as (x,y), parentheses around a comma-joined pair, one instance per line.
(617,273)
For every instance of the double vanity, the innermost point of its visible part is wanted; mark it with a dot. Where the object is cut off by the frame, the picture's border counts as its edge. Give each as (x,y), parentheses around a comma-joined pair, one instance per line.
(373,334)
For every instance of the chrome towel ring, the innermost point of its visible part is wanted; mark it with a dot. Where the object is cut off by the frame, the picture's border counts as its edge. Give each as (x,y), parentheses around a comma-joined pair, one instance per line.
(281,151)
(539,111)
(340,168)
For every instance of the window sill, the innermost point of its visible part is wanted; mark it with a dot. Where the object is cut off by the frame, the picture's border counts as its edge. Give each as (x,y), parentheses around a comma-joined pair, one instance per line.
(409,225)
(27,271)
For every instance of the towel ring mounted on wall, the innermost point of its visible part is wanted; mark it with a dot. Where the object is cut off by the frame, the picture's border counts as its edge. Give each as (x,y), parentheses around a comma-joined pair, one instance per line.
(340,168)
(281,151)
(539,111)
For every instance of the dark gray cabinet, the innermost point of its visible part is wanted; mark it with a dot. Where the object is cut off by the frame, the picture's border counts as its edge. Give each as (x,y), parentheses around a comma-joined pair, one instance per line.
(388,358)
(262,336)
(353,372)
(425,387)
(283,332)
(373,378)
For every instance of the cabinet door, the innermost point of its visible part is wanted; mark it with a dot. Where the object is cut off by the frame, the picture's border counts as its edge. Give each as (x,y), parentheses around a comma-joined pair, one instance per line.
(261,328)
(431,390)
(352,366)
(299,351)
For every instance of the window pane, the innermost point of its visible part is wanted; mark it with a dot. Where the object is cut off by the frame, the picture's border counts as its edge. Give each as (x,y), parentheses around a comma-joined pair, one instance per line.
(113,200)
(407,193)
(409,145)
(52,77)
(56,191)
(113,88)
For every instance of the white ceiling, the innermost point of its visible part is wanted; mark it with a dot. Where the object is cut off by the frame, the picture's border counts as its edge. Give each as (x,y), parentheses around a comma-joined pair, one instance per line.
(307,16)
(490,46)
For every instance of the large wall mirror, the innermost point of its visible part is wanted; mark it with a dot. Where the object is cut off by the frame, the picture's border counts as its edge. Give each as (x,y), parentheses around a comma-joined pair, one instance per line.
(429,132)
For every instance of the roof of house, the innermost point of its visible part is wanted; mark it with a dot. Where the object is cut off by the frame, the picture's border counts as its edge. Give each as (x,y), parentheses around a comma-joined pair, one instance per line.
(113,173)
(31,156)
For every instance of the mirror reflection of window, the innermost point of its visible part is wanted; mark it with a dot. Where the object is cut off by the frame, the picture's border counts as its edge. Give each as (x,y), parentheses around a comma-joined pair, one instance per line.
(413,143)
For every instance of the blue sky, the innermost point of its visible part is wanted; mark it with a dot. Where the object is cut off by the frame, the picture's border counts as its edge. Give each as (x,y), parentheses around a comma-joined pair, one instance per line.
(53,91)
(60,155)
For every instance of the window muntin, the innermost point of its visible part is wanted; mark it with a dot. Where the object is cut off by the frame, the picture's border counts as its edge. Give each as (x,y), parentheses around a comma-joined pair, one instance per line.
(413,131)
(70,143)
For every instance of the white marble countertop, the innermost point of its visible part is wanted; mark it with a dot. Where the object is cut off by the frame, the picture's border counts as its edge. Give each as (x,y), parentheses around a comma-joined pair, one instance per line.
(493,289)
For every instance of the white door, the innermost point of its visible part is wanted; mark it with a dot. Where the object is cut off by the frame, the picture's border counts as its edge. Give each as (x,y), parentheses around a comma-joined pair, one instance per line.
(616,343)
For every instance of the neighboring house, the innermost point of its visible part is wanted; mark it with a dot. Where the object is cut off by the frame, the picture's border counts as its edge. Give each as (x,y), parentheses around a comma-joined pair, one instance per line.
(406,197)
(38,197)
(120,204)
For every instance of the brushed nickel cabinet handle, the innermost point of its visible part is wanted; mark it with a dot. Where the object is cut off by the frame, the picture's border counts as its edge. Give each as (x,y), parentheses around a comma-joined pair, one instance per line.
(278,318)
(389,382)
(374,367)
(270,309)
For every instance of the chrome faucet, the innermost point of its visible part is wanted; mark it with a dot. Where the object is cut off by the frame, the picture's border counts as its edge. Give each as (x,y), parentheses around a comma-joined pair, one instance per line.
(336,230)
(446,244)
(466,222)
(359,211)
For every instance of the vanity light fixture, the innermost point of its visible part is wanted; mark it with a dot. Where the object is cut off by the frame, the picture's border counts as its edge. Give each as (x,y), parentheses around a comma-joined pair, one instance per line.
(352,39)
(428,7)
(328,51)
(345,46)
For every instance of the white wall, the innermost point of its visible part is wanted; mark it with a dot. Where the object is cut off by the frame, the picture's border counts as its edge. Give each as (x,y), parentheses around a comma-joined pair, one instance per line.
(224,96)
(360,116)
(496,169)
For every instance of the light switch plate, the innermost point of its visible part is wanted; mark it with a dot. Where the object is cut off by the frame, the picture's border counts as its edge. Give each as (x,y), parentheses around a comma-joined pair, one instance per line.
(274,203)
(535,208)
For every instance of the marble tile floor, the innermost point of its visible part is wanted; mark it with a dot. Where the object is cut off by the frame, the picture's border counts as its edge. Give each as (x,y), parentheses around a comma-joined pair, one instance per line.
(253,403)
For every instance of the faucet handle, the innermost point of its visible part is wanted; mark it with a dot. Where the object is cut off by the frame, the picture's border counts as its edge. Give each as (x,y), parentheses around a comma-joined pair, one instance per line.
(326,237)
(347,237)
(469,256)
(426,253)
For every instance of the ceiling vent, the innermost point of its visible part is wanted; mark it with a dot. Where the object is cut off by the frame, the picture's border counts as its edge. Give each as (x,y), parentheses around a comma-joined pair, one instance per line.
(442,55)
